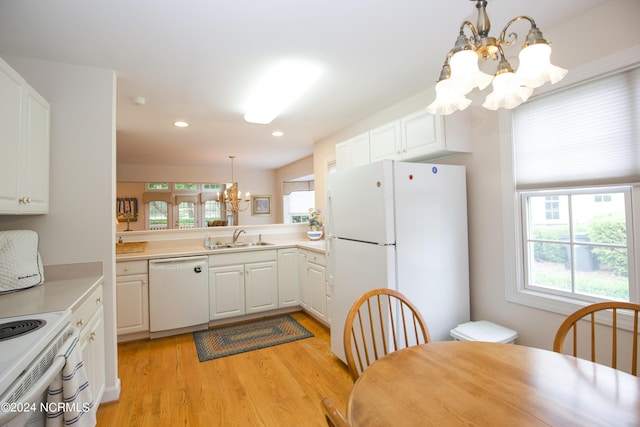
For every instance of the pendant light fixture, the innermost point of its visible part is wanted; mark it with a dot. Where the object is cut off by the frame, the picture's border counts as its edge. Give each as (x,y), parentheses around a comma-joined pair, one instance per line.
(232,198)
(460,73)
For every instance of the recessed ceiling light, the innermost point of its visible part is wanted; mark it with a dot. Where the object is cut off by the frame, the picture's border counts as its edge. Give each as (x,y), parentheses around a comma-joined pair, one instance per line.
(181,124)
(278,88)
(278,133)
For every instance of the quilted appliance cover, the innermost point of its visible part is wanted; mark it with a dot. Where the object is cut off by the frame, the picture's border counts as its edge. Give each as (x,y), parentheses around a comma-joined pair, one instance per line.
(20,262)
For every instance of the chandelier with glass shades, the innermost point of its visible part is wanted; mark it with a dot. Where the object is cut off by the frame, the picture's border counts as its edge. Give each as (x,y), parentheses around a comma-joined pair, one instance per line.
(460,73)
(231,197)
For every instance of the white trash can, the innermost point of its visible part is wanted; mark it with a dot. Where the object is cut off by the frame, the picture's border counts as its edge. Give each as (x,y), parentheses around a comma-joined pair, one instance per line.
(483,330)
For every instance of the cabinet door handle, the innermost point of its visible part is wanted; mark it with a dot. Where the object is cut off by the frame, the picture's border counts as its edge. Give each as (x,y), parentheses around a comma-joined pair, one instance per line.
(92,336)
(79,323)
(99,300)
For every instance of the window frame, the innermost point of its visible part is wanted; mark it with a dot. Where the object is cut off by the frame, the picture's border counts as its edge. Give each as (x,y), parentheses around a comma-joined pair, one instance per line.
(524,238)
(515,290)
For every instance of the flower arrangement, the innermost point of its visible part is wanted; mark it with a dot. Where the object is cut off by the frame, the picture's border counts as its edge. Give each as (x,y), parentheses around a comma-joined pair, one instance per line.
(314,218)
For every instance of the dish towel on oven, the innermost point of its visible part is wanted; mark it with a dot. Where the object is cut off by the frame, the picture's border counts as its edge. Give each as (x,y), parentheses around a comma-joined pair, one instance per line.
(69,400)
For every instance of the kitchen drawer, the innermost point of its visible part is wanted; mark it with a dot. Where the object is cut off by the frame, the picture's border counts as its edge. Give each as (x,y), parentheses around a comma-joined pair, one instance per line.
(218,260)
(124,268)
(315,257)
(80,317)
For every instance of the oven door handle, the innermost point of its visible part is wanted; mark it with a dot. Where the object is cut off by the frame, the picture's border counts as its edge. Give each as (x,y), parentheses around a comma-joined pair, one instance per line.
(35,391)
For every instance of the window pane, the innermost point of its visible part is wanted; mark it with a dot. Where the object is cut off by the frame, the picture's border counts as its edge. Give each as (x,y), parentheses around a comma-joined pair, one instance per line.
(213,187)
(185,186)
(577,243)
(157,186)
(595,279)
(186,215)
(212,211)
(158,215)
(548,268)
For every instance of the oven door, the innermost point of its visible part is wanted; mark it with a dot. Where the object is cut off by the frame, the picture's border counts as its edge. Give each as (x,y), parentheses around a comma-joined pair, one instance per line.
(23,403)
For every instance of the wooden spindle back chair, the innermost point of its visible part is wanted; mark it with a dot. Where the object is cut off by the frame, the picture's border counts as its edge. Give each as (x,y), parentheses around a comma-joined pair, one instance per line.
(588,314)
(380,322)
(333,415)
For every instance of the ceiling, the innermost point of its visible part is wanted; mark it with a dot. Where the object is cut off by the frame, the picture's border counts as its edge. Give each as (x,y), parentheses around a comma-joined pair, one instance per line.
(196,60)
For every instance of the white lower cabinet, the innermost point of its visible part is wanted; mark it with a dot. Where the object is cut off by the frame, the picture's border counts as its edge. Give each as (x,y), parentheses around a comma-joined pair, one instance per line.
(92,343)
(89,318)
(226,292)
(261,286)
(313,283)
(132,297)
(242,283)
(288,289)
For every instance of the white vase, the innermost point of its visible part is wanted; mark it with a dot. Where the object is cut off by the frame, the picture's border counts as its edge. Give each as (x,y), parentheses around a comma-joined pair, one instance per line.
(314,235)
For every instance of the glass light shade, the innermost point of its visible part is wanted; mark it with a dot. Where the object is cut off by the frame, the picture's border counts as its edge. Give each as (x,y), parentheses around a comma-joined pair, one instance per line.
(448,99)
(535,66)
(465,73)
(507,92)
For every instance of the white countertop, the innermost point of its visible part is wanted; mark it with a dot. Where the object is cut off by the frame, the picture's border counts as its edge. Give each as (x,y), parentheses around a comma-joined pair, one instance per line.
(58,294)
(179,249)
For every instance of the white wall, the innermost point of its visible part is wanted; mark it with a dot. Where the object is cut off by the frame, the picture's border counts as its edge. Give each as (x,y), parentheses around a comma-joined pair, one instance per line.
(601,32)
(80,226)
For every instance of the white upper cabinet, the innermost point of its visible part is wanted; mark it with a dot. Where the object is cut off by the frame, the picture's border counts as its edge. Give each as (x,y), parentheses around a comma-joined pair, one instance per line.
(24,132)
(353,152)
(386,142)
(414,137)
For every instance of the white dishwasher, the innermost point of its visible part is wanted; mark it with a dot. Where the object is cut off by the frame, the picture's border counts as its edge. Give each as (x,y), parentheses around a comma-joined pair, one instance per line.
(178,293)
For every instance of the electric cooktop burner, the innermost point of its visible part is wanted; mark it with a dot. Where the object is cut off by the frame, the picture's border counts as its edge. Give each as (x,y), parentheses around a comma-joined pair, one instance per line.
(20,327)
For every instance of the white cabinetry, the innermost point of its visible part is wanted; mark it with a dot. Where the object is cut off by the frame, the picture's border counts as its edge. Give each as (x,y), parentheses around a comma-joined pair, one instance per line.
(226,291)
(261,286)
(353,152)
(386,141)
(89,318)
(313,283)
(24,132)
(242,283)
(288,289)
(414,137)
(132,297)
(428,136)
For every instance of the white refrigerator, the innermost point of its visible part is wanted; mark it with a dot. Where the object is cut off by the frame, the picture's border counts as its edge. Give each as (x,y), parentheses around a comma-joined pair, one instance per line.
(403,226)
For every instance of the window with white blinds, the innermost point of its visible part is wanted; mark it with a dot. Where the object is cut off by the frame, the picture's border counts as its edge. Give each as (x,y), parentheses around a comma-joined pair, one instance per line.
(583,135)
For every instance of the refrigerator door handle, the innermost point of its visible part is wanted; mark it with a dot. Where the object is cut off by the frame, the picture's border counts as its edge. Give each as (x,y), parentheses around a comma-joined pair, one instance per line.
(330,263)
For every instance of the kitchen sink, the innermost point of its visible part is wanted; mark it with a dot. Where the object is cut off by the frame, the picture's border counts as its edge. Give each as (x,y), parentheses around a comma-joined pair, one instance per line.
(245,244)
(238,245)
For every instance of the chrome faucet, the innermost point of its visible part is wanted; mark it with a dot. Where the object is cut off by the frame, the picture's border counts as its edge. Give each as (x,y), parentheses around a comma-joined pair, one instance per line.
(237,234)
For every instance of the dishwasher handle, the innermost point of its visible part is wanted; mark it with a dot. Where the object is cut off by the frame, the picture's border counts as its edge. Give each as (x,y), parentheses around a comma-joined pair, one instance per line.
(197,269)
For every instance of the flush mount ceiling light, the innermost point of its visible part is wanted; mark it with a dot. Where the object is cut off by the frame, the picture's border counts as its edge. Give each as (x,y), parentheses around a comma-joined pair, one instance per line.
(180,124)
(278,88)
(277,133)
(460,72)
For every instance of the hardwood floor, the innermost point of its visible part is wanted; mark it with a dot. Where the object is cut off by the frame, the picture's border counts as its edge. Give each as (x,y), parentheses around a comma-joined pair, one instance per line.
(164,384)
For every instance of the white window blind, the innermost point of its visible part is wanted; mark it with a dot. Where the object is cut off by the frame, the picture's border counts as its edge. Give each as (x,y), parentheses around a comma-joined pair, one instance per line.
(584,134)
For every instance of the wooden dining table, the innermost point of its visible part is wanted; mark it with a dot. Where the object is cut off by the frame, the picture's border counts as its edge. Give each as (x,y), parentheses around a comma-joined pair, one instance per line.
(491,384)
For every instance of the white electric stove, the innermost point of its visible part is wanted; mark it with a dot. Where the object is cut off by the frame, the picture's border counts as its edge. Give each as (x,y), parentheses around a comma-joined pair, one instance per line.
(23,339)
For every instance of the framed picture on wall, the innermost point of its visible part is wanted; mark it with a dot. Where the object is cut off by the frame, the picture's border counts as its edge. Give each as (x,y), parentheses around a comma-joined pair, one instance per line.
(260,205)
